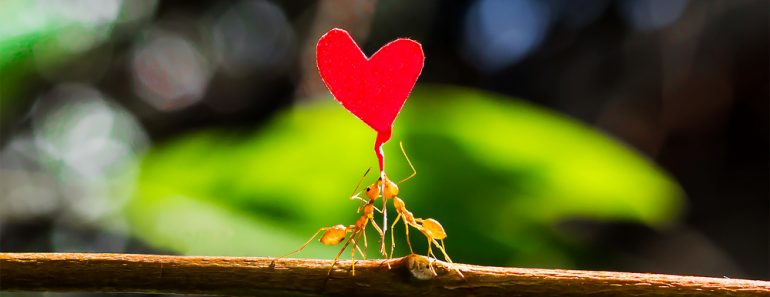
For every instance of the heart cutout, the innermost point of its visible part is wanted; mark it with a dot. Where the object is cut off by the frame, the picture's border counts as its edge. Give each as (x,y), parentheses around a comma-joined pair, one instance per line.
(373,89)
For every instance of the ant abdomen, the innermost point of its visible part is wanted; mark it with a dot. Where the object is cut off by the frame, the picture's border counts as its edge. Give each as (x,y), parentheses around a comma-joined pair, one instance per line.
(435,228)
(334,235)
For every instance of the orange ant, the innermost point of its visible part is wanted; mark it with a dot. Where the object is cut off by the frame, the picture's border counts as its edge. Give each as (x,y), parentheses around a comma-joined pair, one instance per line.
(431,228)
(335,234)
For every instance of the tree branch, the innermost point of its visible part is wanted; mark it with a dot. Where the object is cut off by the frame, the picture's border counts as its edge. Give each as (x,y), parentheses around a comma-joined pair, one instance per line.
(408,276)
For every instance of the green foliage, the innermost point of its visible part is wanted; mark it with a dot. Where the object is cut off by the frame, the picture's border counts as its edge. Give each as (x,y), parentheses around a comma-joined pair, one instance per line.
(37,35)
(498,173)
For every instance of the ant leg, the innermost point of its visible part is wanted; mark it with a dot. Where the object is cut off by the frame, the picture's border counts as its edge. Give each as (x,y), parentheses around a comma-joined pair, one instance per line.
(430,250)
(359,203)
(384,222)
(362,203)
(382,237)
(366,242)
(353,255)
(302,247)
(360,252)
(392,237)
(408,241)
(354,195)
(347,242)
(358,247)
(360,231)
(431,259)
(443,250)
(384,205)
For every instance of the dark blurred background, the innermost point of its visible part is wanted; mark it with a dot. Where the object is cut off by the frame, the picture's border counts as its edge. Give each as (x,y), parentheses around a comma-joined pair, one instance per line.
(623,135)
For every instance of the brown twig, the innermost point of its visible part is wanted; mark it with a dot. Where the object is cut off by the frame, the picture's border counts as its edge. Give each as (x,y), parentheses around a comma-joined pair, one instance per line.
(409,276)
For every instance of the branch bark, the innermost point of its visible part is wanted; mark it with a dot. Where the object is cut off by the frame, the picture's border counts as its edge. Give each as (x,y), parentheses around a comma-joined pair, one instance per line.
(408,276)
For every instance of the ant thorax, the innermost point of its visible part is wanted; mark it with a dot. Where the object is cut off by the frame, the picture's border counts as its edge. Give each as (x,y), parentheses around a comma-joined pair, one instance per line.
(369,210)
(398,203)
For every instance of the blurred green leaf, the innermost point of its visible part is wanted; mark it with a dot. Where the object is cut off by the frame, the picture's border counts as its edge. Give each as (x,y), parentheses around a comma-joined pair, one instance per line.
(497,172)
(45,34)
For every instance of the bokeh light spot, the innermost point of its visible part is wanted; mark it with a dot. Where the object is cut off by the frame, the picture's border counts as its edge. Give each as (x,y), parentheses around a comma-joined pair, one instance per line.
(26,190)
(169,71)
(501,33)
(647,15)
(252,35)
(90,146)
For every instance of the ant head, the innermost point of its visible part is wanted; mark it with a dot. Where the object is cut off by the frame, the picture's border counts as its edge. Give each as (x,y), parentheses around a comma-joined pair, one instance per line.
(334,235)
(389,189)
(435,228)
(373,191)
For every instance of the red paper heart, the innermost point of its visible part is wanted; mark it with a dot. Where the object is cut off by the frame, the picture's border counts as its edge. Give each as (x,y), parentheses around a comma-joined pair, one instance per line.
(373,89)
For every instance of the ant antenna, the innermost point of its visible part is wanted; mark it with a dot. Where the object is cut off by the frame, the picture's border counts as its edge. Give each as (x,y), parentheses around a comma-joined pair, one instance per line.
(360,182)
(354,195)
(364,201)
(414,172)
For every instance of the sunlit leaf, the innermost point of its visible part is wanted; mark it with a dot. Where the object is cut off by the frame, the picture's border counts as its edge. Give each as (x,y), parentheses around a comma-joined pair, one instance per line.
(498,173)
